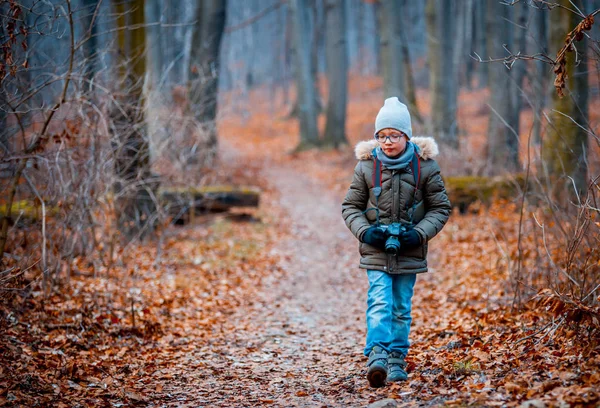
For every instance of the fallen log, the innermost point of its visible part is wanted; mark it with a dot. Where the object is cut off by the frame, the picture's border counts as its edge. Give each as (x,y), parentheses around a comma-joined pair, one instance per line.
(183,204)
(27,211)
(464,191)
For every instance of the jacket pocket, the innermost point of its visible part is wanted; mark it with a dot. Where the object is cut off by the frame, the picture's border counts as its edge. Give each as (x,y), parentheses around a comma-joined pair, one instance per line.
(418,252)
(367,250)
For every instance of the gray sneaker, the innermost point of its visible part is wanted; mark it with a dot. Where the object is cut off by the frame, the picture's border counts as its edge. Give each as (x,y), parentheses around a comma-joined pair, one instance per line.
(396,367)
(377,367)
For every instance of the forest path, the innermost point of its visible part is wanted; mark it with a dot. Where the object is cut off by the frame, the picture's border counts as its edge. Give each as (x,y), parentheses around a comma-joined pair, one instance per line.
(299,343)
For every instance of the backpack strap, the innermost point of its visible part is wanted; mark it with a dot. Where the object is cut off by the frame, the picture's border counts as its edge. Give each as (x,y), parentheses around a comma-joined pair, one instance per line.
(377,170)
(416,169)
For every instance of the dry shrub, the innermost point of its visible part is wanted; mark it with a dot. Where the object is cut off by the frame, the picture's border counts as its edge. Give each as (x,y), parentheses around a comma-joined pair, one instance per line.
(557,258)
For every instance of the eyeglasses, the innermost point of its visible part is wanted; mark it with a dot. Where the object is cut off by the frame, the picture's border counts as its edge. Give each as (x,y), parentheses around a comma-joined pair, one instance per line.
(394,137)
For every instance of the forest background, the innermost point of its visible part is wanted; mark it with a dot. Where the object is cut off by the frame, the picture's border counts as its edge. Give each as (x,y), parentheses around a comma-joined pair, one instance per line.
(125,124)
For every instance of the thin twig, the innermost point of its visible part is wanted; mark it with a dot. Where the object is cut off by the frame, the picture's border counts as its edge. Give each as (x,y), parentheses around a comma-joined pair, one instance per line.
(44,245)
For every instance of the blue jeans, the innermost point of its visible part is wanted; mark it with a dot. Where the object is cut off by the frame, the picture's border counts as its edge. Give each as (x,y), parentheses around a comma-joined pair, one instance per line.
(389,303)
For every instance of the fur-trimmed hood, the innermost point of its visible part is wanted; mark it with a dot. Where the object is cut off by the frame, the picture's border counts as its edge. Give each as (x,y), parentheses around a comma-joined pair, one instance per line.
(427,145)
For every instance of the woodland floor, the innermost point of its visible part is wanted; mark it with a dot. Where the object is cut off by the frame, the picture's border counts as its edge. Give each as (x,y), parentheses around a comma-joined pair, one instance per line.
(298,340)
(267,309)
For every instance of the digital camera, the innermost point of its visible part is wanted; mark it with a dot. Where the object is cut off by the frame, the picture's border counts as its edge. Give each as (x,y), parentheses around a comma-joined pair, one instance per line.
(393,231)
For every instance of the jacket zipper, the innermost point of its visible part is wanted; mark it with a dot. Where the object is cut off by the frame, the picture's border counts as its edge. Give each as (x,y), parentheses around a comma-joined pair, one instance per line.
(395,194)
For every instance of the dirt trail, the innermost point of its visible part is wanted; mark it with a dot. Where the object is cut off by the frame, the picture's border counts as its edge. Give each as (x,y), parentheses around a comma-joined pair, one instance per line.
(300,343)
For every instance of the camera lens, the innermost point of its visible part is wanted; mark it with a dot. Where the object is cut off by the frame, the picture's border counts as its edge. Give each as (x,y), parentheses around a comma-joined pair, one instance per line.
(392,245)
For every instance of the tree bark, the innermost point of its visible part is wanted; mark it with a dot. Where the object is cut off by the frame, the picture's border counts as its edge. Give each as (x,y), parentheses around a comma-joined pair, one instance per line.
(307,109)
(5,147)
(540,81)
(409,83)
(134,205)
(519,70)
(442,72)
(318,30)
(503,143)
(564,149)
(288,54)
(391,49)
(459,50)
(91,40)
(481,42)
(155,52)
(469,42)
(204,71)
(337,72)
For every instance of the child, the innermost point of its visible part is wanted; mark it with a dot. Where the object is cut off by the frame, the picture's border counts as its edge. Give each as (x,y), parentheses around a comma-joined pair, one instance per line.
(395,181)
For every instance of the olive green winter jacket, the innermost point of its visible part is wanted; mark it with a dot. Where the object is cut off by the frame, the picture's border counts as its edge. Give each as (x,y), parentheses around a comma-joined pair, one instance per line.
(432,207)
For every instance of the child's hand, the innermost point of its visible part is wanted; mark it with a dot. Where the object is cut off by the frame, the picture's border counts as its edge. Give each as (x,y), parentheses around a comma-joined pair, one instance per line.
(374,237)
(410,239)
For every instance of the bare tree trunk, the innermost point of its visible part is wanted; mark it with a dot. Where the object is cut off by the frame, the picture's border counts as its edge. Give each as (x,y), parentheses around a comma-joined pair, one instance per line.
(288,54)
(519,70)
(409,83)
(5,148)
(481,34)
(337,72)
(458,52)
(154,58)
(134,205)
(204,72)
(91,40)
(564,149)
(442,71)
(171,10)
(307,110)
(377,49)
(503,147)
(155,52)
(318,25)
(469,42)
(391,49)
(540,81)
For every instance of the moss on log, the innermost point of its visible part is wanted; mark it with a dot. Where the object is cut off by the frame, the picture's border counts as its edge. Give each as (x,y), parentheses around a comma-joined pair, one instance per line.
(27,210)
(466,190)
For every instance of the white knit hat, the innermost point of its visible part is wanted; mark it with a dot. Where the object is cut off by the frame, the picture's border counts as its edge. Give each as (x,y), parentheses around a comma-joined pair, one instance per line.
(394,114)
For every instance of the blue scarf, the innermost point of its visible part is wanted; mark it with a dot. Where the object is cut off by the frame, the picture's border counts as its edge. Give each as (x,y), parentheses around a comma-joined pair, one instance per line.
(401,162)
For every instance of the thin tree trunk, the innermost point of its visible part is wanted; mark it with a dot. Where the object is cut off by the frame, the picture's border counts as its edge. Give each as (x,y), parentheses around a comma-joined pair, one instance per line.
(134,205)
(91,40)
(442,72)
(204,72)
(409,83)
(155,52)
(318,30)
(288,54)
(391,49)
(503,152)
(337,72)
(469,42)
(5,147)
(564,149)
(519,70)
(540,82)
(307,110)
(459,51)
(481,33)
